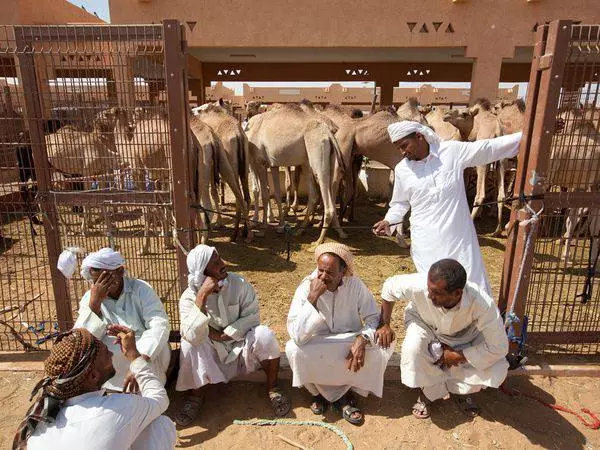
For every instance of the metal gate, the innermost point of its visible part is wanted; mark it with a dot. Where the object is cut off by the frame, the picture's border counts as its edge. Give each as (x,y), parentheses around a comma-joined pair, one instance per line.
(552,281)
(94,154)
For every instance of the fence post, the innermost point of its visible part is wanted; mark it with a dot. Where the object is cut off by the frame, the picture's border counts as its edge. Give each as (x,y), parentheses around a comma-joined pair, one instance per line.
(34,120)
(539,142)
(176,84)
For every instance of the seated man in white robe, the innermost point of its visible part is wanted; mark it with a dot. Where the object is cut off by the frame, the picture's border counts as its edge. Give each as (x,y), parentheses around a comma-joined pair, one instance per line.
(115,298)
(332,324)
(221,335)
(73,411)
(455,340)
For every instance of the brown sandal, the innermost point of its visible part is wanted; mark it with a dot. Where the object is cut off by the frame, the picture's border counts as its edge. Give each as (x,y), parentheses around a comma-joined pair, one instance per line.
(421,408)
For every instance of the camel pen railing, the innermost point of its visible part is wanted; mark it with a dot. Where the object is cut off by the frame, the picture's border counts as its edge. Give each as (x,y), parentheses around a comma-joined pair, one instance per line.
(550,280)
(94,154)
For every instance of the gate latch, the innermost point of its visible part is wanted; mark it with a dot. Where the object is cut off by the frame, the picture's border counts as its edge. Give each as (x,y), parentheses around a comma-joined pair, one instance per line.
(545,61)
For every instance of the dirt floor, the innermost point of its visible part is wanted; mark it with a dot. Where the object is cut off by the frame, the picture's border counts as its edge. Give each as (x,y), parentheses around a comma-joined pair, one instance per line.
(506,422)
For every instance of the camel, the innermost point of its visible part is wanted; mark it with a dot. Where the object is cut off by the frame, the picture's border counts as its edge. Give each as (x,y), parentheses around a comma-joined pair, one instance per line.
(511,116)
(445,130)
(235,144)
(476,123)
(207,162)
(289,136)
(75,153)
(367,137)
(409,110)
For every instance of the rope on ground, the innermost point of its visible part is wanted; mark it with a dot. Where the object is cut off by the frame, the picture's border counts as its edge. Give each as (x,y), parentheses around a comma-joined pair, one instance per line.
(265,422)
(594,424)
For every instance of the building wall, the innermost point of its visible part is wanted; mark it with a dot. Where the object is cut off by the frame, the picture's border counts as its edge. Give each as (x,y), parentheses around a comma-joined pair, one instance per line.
(44,12)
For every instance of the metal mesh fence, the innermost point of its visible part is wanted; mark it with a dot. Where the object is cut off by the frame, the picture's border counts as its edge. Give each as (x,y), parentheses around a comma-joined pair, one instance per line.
(95,95)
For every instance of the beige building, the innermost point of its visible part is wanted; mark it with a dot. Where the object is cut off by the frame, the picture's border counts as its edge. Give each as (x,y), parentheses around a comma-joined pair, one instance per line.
(484,42)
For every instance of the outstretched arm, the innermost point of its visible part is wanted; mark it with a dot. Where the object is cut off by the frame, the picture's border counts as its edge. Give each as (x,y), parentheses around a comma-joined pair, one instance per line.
(486,151)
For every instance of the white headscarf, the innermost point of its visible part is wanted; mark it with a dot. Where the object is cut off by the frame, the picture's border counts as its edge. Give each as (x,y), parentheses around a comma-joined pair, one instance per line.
(197,260)
(67,261)
(399,130)
(104,259)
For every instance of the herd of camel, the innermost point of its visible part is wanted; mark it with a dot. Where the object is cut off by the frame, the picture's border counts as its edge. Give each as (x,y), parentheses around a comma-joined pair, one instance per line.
(132,147)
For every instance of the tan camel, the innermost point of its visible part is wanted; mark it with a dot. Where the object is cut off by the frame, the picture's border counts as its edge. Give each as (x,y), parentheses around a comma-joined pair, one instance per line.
(476,123)
(291,137)
(511,116)
(235,144)
(409,110)
(444,129)
(76,153)
(367,136)
(206,164)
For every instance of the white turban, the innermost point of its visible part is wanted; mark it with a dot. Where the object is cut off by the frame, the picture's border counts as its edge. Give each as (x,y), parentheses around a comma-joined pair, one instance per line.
(104,259)
(197,260)
(67,261)
(399,130)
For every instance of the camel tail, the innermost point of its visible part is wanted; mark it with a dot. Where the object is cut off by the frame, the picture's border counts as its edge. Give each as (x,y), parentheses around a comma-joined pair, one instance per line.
(243,152)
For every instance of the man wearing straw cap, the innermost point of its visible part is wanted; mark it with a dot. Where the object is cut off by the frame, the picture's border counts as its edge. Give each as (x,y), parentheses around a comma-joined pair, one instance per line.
(115,298)
(332,323)
(429,182)
(73,411)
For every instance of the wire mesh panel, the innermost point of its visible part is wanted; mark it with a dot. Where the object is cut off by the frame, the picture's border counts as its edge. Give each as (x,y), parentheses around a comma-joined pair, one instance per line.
(554,281)
(89,104)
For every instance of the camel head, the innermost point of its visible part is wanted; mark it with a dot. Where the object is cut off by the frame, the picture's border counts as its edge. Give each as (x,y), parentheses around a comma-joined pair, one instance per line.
(410,111)
(426,109)
(463,119)
(105,120)
(254,108)
(124,123)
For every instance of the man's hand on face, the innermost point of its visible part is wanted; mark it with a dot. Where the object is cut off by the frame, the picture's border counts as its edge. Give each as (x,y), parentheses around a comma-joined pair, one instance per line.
(317,288)
(451,357)
(355,359)
(384,336)
(100,289)
(382,228)
(209,286)
(218,336)
(126,339)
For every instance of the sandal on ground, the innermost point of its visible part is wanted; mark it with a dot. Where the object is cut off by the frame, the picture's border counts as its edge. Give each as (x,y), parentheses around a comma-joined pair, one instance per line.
(349,411)
(467,406)
(318,405)
(280,402)
(421,408)
(189,411)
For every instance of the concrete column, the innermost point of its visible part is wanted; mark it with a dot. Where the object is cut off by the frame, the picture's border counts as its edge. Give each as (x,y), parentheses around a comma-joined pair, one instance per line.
(386,92)
(44,72)
(122,74)
(198,90)
(485,77)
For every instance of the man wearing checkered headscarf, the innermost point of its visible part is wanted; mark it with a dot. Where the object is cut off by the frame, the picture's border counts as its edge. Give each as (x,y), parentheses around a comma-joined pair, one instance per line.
(72,409)
(332,323)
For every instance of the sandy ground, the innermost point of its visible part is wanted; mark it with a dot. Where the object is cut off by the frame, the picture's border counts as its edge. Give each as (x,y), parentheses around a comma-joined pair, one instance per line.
(505,422)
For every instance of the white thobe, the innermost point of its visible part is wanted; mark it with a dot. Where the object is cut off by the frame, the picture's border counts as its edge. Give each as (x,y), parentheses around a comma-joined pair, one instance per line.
(434,190)
(140,309)
(96,421)
(235,312)
(323,336)
(474,326)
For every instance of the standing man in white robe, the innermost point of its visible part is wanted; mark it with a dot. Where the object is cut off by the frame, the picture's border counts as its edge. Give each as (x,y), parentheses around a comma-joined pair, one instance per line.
(115,298)
(221,335)
(429,182)
(455,340)
(332,322)
(73,411)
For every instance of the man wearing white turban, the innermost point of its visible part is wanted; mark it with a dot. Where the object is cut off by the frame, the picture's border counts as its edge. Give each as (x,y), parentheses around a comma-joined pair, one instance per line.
(429,182)
(332,322)
(221,335)
(116,299)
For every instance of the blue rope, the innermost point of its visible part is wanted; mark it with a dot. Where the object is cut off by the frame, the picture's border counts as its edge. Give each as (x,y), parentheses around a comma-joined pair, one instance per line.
(263,422)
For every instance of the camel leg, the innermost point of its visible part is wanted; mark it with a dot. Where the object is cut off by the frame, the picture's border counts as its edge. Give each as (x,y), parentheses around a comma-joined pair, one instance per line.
(318,149)
(573,216)
(232,180)
(145,250)
(501,171)
(594,225)
(277,191)
(288,187)
(214,193)
(295,186)
(313,197)
(256,196)
(480,193)
(166,231)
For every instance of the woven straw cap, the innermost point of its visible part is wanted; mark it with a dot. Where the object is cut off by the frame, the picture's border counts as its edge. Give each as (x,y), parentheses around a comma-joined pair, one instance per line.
(337,249)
